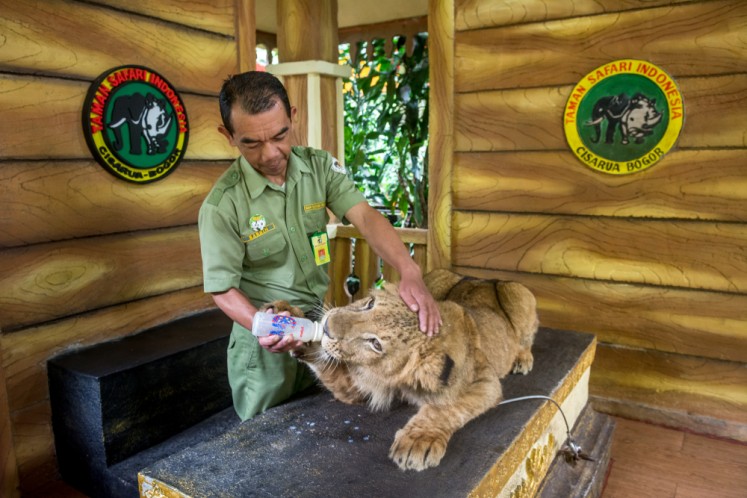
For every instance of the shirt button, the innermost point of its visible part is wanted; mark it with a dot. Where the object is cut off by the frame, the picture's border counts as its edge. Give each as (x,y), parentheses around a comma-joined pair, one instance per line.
(292,229)
(265,252)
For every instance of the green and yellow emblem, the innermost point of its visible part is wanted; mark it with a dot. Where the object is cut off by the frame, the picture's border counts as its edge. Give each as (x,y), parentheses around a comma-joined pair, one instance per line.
(623,117)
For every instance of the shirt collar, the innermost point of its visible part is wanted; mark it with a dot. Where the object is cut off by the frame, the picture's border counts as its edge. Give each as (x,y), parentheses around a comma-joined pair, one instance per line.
(257,183)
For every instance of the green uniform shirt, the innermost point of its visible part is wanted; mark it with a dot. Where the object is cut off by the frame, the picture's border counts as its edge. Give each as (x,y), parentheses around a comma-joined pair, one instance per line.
(254,235)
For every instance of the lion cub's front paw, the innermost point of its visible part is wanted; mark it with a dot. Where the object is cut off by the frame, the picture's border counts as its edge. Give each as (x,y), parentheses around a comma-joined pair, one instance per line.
(523,363)
(417,449)
(279,306)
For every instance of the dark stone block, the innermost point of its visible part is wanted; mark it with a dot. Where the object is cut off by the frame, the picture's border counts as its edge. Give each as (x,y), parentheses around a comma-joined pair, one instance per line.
(115,399)
(315,446)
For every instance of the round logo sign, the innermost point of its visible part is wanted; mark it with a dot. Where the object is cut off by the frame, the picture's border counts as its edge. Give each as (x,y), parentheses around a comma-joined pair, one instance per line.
(135,124)
(623,117)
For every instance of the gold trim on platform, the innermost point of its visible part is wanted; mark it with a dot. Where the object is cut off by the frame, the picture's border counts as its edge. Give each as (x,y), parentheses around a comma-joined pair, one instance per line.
(153,488)
(495,482)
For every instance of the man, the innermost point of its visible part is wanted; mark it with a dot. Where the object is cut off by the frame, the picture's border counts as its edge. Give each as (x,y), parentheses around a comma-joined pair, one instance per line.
(263,237)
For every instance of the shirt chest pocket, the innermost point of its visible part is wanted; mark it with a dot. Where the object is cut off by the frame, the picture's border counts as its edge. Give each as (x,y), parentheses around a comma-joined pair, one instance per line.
(315,221)
(268,249)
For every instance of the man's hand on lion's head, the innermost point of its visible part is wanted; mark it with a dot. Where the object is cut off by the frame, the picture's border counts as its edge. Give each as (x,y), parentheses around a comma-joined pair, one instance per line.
(416,296)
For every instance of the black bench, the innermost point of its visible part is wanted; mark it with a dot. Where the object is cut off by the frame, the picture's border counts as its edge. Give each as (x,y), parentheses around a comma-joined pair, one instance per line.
(122,405)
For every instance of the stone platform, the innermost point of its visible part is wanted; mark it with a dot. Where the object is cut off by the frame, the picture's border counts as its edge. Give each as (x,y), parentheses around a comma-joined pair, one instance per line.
(314,446)
(118,406)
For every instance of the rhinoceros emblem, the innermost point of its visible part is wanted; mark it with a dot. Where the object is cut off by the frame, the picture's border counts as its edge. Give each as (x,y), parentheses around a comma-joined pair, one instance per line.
(146,118)
(635,117)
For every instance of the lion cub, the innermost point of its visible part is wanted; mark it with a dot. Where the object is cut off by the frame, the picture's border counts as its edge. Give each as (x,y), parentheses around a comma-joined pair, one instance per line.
(373,351)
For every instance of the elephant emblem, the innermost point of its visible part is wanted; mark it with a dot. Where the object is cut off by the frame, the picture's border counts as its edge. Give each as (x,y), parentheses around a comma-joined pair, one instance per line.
(635,117)
(146,118)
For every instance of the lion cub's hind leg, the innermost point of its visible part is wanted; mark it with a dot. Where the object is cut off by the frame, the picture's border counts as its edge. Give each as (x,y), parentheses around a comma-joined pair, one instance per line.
(520,307)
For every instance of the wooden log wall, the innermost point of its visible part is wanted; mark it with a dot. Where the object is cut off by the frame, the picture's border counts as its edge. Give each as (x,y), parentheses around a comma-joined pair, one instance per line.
(654,263)
(86,257)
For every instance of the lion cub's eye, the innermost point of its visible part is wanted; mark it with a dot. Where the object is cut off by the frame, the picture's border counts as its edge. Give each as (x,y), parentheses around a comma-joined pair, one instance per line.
(375,345)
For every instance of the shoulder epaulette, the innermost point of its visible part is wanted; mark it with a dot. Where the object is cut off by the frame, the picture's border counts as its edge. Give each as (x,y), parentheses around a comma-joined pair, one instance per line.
(227,181)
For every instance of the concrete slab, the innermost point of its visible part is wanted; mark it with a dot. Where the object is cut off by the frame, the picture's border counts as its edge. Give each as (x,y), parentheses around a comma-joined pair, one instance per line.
(315,446)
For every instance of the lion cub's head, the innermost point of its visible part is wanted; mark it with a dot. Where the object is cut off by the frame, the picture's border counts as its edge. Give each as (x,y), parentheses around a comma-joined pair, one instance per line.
(376,331)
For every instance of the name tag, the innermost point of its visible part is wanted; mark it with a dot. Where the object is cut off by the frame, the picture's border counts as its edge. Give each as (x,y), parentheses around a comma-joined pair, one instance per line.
(314,207)
(259,233)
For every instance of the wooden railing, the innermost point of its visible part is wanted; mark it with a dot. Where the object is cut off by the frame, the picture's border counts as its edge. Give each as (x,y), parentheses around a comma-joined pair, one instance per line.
(352,255)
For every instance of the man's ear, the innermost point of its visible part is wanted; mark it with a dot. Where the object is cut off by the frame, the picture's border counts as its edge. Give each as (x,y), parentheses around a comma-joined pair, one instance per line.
(293,114)
(224,131)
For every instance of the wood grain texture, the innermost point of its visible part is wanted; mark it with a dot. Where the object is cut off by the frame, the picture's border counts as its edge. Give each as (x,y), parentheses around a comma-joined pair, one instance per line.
(79,40)
(328,97)
(216,16)
(31,104)
(246,34)
(680,38)
(9,480)
(694,385)
(531,119)
(441,132)
(298,94)
(695,255)
(296,42)
(676,464)
(24,357)
(688,184)
(656,318)
(49,281)
(48,201)
(475,14)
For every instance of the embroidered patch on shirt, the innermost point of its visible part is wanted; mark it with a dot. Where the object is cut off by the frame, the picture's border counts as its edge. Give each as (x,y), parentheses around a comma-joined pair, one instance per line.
(314,207)
(257,222)
(337,167)
(255,235)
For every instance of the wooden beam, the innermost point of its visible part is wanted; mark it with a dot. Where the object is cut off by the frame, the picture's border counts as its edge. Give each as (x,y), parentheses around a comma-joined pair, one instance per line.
(441,131)
(246,38)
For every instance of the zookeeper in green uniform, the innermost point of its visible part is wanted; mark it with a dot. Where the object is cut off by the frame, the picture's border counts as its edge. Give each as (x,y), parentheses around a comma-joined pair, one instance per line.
(263,237)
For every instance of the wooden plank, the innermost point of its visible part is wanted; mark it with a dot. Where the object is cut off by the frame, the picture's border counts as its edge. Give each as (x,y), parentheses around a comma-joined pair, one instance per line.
(441,131)
(79,40)
(477,14)
(47,201)
(49,281)
(366,267)
(561,52)
(216,16)
(31,104)
(339,269)
(656,318)
(417,236)
(693,385)
(697,255)
(298,95)
(530,119)
(8,466)
(684,185)
(25,353)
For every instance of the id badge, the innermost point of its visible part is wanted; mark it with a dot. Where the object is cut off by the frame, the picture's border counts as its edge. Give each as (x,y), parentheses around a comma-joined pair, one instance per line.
(320,246)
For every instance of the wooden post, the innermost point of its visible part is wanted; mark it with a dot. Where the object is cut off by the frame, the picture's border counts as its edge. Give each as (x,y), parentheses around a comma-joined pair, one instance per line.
(441,119)
(307,50)
(246,38)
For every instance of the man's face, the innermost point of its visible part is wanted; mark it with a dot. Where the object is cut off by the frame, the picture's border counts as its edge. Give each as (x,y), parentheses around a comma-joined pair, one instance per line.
(263,139)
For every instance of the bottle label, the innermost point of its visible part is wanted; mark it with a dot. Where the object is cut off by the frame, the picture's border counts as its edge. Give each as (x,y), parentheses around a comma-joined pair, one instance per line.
(282,325)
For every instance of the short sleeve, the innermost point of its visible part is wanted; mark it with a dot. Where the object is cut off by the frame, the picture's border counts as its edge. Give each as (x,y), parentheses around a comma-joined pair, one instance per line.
(221,247)
(342,194)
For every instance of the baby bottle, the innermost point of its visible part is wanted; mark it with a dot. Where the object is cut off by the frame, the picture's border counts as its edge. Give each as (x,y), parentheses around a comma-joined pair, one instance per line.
(303,329)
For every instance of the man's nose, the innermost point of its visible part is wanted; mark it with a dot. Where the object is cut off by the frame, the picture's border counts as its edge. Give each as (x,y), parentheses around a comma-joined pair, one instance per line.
(269,151)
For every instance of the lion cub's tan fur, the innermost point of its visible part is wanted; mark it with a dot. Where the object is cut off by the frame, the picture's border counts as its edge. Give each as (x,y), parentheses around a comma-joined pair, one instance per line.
(374,352)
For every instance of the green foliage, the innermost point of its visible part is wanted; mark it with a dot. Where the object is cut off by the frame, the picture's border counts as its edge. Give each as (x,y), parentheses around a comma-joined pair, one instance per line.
(386,127)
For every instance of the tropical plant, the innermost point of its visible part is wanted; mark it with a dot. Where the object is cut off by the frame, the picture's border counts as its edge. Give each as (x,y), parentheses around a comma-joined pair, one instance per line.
(386,126)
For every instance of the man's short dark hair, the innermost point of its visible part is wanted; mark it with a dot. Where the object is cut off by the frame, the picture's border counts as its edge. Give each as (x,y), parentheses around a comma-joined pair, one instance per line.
(255,92)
